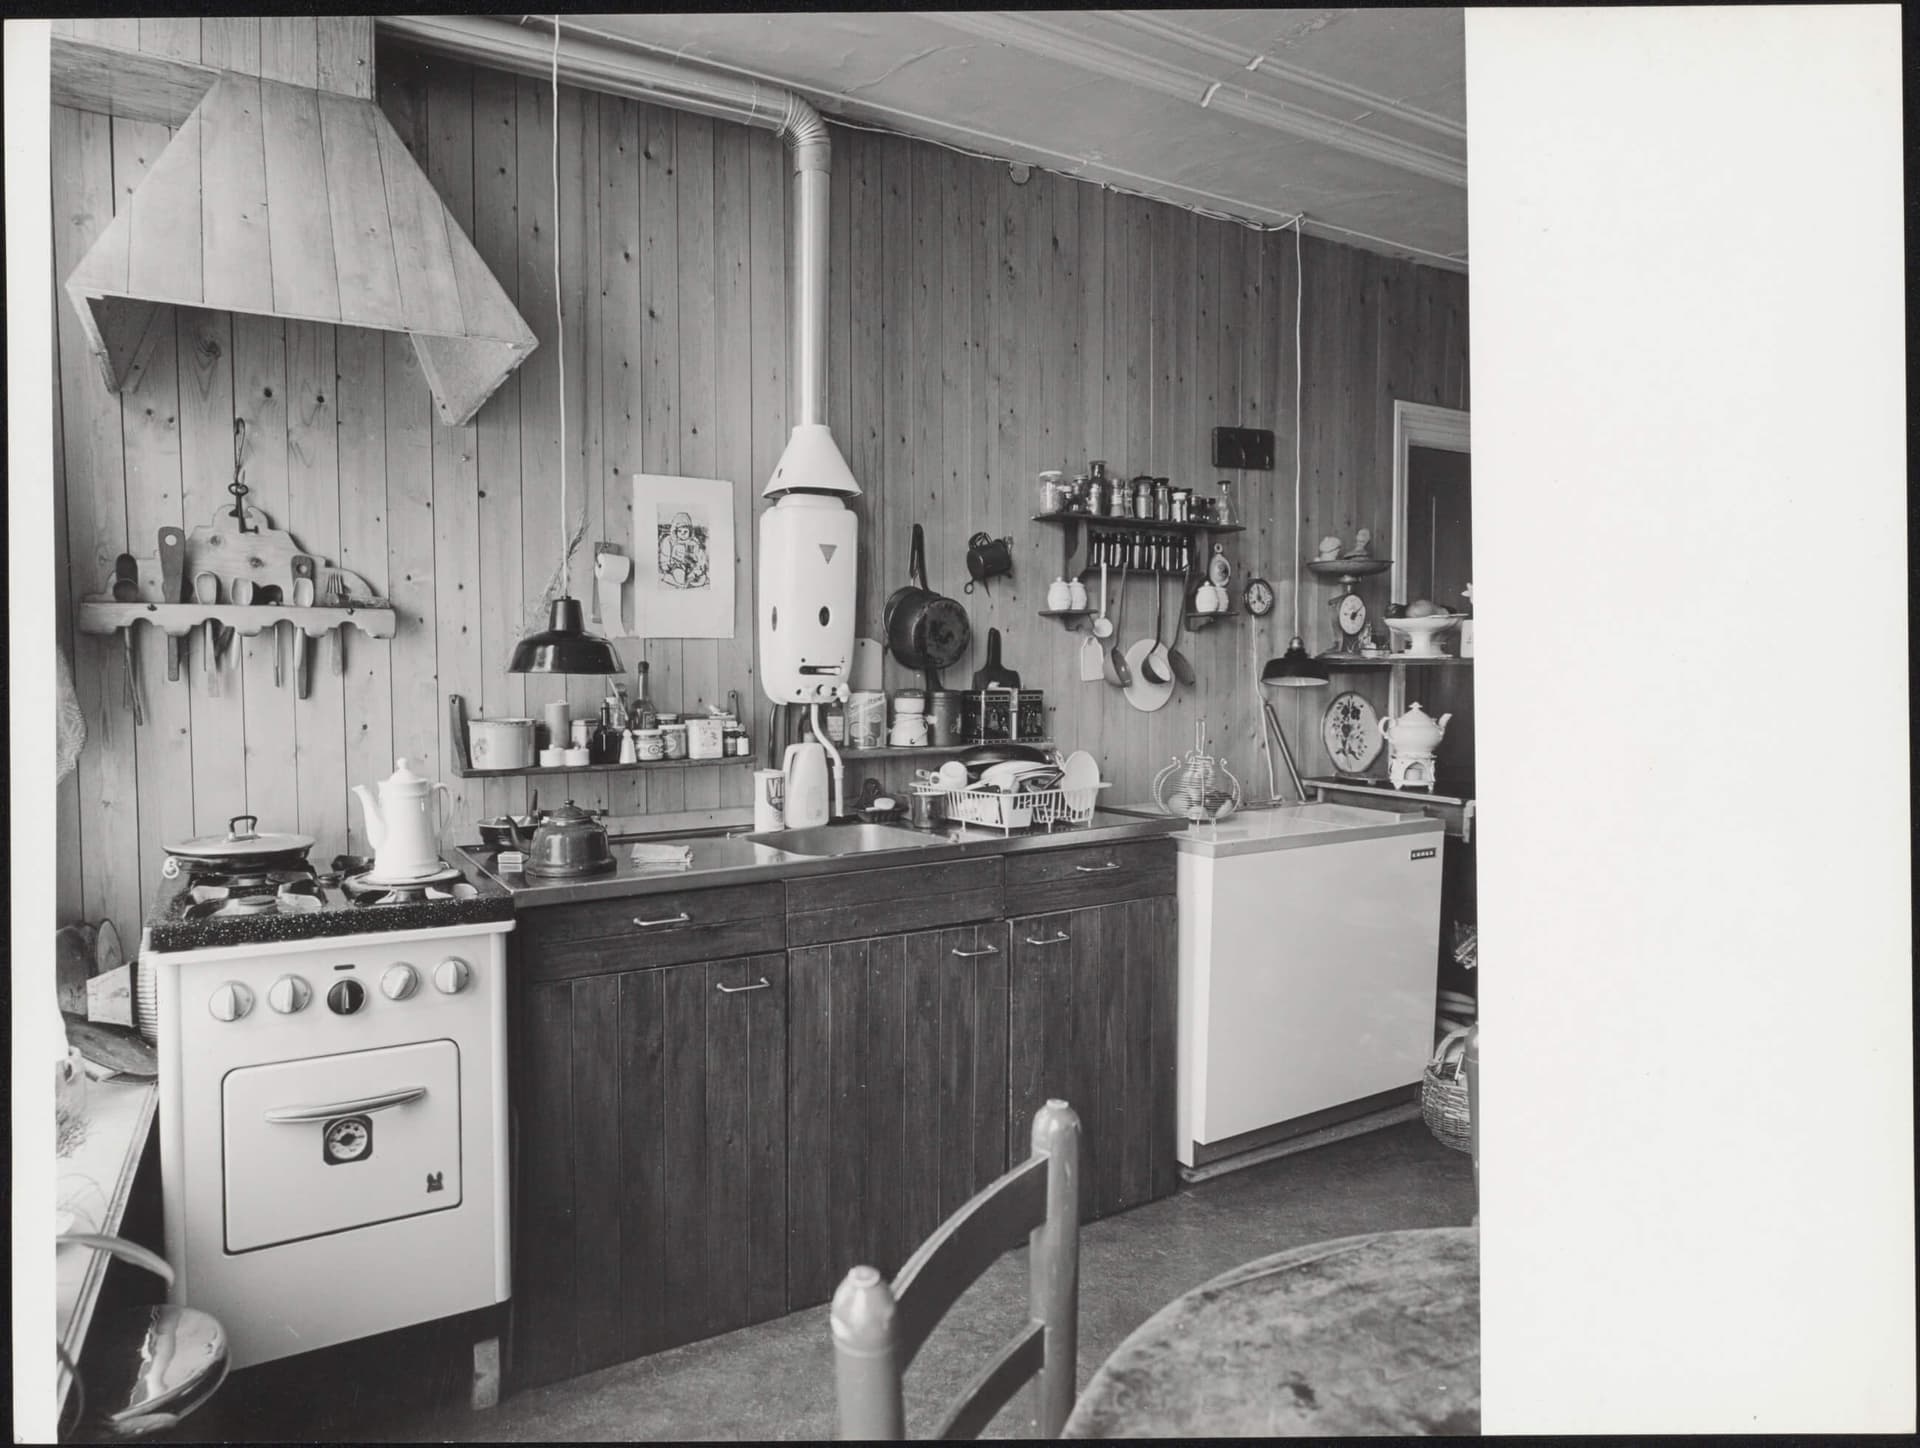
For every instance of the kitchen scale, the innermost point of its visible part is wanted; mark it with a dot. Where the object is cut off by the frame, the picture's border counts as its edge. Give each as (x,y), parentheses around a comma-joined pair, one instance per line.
(1351,615)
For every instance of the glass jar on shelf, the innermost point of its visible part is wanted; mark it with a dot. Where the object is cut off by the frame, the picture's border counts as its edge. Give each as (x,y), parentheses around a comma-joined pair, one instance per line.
(1225,513)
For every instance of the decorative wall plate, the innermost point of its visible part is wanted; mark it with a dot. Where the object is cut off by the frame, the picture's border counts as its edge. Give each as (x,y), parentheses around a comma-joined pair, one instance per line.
(1351,731)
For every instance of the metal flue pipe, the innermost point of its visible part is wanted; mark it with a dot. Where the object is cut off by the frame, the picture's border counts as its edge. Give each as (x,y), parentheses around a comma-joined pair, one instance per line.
(526,48)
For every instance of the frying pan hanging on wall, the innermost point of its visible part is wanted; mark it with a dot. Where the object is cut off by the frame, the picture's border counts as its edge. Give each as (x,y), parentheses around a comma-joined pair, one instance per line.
(925,631)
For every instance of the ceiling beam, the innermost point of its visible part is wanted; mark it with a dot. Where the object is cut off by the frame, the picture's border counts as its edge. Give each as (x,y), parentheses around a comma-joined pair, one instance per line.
(1065,46)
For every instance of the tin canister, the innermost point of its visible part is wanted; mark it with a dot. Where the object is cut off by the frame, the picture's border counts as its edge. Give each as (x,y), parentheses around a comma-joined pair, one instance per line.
(674,737)
(704,737)
(867,719)
(1030,714)
(944,716)
(649,744)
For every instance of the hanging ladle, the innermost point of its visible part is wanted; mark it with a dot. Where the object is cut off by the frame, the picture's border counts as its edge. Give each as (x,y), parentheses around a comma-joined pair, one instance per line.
(1148,667)
(1177,661)
(1120,675)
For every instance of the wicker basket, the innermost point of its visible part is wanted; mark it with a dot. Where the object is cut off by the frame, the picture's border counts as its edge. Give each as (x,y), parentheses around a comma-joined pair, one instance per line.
(1443,1093)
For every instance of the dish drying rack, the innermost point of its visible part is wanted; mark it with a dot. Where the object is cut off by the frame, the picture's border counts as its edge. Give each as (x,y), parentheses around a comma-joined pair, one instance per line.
(1050,808)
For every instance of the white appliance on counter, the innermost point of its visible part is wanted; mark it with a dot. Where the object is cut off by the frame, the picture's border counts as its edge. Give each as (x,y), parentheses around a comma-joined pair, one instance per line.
(1309,957)
(333,1118)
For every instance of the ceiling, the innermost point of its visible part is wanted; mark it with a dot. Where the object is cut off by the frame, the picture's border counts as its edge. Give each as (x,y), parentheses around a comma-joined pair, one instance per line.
(1354,118)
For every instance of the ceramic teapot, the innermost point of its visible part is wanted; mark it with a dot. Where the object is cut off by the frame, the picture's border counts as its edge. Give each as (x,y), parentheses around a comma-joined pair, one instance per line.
(1415,733)
(402,824)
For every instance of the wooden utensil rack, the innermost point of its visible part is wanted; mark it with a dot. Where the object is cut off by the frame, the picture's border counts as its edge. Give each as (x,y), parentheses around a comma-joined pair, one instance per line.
(241,543)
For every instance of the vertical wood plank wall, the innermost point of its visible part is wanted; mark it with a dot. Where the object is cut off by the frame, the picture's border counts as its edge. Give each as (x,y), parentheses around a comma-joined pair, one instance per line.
(980,331)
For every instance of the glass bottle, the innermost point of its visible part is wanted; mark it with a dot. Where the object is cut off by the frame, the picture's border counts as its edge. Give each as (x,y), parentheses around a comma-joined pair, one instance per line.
(1225,514)
(642,714)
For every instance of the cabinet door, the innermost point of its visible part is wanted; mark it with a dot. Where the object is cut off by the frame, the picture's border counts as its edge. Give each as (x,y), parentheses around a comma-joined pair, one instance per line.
(1092,1001)
(651,1160)
(897,1072)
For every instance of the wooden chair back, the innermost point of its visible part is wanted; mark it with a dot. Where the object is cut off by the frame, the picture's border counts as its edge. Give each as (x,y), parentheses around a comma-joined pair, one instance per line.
(878,1329)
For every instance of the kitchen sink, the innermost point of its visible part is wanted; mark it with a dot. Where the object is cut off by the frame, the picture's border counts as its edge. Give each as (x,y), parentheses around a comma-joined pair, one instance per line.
(835,840)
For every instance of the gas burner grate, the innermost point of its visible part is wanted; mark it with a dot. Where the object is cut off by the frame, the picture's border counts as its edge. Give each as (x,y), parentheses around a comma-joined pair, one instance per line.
(212,901)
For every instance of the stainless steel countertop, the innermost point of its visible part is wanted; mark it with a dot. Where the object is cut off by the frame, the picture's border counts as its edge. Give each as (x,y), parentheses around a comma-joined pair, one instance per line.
(720,858)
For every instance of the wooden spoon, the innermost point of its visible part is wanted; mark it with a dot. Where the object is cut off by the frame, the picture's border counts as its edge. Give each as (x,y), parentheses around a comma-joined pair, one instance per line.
(206,588)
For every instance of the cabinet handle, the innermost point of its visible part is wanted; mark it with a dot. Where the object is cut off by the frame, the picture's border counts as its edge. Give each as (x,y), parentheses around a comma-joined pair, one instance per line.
(1098,869)
(1056,940)
(761,984)
(971,954)
(681,919)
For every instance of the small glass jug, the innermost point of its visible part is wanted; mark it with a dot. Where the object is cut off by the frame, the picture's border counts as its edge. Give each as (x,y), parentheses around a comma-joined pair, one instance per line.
(1225,514)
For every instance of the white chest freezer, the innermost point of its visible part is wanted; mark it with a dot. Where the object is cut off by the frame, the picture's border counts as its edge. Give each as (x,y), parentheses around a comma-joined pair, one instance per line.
(1309,955)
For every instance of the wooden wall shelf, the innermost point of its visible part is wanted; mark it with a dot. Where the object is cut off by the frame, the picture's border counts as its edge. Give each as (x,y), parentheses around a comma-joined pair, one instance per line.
(535,771)
(104,616)
(1137,525)
(1351,661)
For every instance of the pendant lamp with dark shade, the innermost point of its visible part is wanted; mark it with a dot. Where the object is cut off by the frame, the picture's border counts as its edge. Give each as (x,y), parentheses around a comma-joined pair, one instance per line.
(564,646)
(1296,668)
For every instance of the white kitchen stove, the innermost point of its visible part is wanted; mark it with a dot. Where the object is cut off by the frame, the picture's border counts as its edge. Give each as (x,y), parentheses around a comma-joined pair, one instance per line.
(333,1117)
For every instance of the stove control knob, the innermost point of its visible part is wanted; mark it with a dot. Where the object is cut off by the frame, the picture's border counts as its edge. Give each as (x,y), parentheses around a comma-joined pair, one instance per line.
(451,975)
(346,997)
(230,1001)
(289,994)
(399,982)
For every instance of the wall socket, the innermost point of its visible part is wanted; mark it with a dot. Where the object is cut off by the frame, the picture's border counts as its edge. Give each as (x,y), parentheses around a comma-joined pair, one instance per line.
(1243,447)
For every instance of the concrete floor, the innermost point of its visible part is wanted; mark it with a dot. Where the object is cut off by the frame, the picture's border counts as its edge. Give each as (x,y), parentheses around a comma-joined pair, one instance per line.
(775,1380)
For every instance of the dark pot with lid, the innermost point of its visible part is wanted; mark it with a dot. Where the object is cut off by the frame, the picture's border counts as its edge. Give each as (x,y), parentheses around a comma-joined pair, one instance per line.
(242,847)
(568,843)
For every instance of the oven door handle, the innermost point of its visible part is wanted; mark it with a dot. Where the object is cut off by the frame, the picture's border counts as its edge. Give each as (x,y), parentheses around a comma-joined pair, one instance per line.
(297,1115)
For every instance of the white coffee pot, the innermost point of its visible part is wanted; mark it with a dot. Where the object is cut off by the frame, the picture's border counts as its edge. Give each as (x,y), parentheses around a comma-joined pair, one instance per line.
(1415,734)
(403,824)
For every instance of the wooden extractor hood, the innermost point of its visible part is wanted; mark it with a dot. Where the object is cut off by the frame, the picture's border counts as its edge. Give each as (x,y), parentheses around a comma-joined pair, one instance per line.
(284,201)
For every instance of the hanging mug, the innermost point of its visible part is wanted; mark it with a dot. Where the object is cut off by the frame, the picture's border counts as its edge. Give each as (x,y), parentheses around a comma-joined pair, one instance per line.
(988,557)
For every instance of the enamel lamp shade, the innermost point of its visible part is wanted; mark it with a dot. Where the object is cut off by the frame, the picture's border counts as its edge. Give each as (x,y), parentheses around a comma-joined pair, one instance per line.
(564,646)
(1295,669)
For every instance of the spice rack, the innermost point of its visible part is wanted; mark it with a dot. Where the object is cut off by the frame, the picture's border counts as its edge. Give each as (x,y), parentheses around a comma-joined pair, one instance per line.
(1078,527)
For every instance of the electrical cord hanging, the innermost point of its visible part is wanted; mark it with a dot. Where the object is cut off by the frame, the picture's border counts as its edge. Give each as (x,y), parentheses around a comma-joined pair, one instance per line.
(1299,297)
(560,585)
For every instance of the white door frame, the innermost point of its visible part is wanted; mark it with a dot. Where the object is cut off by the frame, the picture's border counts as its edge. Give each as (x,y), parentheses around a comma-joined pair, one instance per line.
(1415,424)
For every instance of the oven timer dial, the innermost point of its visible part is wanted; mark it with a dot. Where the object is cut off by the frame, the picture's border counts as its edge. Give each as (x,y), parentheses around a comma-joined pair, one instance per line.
(451,975)
(399,982)
(230,1001)
(289,994)
(346,997)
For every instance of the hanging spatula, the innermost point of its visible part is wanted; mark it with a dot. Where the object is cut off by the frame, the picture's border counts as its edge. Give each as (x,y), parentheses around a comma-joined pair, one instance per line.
(173,568)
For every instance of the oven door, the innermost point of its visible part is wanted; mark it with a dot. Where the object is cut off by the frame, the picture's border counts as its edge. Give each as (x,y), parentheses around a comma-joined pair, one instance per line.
(333,1143)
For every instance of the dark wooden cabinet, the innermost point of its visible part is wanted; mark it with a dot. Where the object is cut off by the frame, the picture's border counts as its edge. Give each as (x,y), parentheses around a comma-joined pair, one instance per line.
(651,1159)
(896,1072)
(725,1097)
(1092,998)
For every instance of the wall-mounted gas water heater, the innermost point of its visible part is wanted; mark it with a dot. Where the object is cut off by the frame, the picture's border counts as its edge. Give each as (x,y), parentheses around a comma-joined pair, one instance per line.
(808,557)
(808,539)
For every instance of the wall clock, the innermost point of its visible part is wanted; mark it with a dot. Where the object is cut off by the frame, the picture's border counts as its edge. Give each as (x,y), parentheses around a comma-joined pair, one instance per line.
(1258,597)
